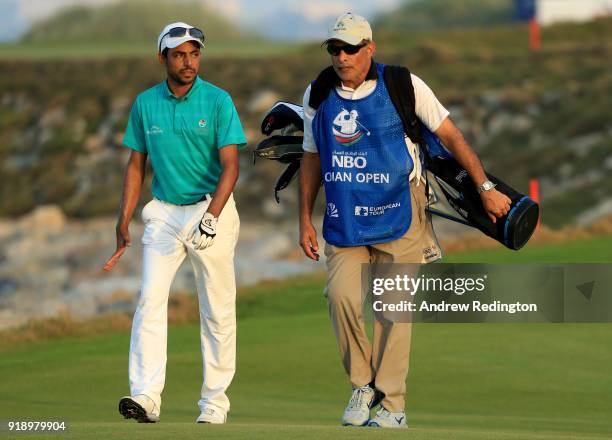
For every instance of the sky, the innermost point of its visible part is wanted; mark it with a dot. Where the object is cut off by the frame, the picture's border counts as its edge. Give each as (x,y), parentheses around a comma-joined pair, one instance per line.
(294,19)
(297,19)
(579,10)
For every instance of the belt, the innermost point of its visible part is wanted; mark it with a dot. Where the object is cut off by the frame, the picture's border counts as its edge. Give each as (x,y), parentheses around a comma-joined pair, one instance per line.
(204,197)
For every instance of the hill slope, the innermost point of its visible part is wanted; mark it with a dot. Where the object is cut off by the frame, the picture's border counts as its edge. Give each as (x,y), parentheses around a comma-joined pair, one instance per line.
(528,115)
(130,22)
(416,15)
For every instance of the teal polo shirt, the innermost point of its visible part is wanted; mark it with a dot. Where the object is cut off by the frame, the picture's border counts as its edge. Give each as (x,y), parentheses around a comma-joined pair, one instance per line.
(182,136)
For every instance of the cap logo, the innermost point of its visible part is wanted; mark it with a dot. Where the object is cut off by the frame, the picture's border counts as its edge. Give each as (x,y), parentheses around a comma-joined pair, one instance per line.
(340,26)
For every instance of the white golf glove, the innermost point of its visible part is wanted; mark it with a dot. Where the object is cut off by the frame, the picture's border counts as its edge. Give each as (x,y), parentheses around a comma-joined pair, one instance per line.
(204,234)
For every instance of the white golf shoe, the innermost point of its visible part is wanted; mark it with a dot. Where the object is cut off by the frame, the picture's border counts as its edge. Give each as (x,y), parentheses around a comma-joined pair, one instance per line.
(210,415)
(140,407)
(357,412)
(387,419)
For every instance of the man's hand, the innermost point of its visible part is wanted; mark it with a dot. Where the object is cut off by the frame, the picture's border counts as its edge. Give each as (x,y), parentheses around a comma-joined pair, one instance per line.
(132,183)
(308,241)
(123,241)
(495,203)
(204,234)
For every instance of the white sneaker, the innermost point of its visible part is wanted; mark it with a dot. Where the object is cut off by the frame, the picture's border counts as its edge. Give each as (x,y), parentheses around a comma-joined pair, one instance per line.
(213,416)
(357,412)
(140,407)
(387,419)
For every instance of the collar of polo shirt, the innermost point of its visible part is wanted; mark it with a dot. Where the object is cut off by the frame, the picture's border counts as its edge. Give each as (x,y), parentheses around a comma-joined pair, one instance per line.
(198,81)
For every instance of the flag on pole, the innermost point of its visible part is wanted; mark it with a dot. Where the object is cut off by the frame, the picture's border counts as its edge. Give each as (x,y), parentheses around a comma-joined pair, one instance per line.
(534,194)
(526,11)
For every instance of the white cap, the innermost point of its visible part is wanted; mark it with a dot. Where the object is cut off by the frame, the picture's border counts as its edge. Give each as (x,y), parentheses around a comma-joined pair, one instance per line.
(350,28)
(164,41)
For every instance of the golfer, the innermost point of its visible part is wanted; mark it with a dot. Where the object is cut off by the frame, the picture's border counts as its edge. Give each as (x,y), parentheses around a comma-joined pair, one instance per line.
(354,141)
(190,130)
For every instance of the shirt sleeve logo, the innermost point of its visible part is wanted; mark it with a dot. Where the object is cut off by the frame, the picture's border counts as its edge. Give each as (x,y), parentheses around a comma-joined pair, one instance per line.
(154,129)
(202,123)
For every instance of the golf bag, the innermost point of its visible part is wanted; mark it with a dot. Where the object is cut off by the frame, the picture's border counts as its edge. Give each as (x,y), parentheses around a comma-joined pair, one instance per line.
(450,182)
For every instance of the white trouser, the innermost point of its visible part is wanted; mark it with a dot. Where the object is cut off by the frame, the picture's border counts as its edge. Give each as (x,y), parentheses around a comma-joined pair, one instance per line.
(164,249)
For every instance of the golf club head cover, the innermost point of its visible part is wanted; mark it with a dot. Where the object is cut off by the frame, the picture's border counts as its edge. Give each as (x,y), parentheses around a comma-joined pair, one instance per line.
(281,115)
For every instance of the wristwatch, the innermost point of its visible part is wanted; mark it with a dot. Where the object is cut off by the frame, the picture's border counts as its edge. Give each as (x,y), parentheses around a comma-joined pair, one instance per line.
(486,186)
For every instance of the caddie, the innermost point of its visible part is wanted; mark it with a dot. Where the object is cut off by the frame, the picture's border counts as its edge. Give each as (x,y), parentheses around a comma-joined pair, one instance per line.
(355,143)
(190,131)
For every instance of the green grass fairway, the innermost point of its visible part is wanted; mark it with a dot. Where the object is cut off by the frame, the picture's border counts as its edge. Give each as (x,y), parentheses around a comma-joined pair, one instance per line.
(593,250)
(466,381)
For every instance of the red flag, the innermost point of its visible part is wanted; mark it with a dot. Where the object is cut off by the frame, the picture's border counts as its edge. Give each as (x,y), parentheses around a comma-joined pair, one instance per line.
(534,34)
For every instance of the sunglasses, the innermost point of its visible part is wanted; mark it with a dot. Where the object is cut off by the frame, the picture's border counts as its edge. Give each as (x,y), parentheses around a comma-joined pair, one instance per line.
(178,32)
(348,49)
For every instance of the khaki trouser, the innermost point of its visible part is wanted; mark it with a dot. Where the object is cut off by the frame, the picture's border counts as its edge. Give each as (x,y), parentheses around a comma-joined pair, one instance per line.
(385,360)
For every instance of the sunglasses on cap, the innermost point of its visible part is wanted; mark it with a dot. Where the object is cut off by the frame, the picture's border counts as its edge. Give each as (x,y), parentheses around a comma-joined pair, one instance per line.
(348,49)
(177,32)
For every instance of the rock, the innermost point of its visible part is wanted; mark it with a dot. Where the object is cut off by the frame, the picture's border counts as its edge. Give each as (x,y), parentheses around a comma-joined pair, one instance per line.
(118,138)
(273,209)
(533,110)
(47,217)
(552,97)
(565,170)
(602,209)
(44,135)
(508,122)
(93,143)
(21,162)
(262,101)
(7,228)
(582,145)
(252,135)
(120,104)
(538,141)
(79,129)
(52,117)
(7,286)
(492,99)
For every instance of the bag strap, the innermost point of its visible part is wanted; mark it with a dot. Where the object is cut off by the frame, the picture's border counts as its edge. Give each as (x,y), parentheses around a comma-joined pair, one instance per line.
(320,87)
(399,85)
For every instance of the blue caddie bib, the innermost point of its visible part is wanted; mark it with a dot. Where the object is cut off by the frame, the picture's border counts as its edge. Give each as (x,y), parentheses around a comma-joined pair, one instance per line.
(365,168)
